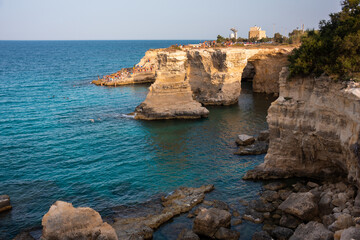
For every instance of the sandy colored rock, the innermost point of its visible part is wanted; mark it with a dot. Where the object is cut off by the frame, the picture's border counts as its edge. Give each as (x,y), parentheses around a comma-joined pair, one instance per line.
(170,97)
(314,130)
(63,221)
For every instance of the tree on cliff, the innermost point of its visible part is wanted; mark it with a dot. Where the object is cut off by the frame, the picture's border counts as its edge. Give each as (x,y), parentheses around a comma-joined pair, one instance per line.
(334,49)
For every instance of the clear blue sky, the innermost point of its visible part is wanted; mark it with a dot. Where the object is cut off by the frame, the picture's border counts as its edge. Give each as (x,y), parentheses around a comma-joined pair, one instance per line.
(154,19)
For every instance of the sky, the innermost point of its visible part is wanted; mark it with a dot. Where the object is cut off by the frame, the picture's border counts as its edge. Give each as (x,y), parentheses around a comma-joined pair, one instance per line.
(155,19)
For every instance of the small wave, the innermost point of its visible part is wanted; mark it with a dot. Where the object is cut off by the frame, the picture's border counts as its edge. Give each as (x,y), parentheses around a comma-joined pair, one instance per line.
(129,115)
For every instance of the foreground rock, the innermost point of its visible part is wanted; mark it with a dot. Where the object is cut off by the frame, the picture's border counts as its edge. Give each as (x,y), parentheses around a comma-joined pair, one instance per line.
(314,130)
(5,203)
(301,205)
(180,201)
(312,231)
(63,221)
(209,221)
(170,97)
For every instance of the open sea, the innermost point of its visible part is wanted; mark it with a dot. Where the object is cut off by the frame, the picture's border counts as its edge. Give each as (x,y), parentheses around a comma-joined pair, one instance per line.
(50,149)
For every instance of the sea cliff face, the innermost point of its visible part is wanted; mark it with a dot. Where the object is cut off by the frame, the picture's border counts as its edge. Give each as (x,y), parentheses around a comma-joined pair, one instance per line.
(186,78)
(170,96)
(314,130)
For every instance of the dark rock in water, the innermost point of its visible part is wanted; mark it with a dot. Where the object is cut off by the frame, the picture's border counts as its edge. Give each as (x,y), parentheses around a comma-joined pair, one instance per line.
(274,186)
(253,216)
(132,230)
(220,205)
(281,233)
(24,236)
(263,235)
(227,234)
(254,149)
(261,206)
(350,233)
(312,231)
(243,202)
(269,195)
(236,222)
(244,140)
(209,221)
(301,205)
(264,136)
(289,221)
(187,234)
(4,203)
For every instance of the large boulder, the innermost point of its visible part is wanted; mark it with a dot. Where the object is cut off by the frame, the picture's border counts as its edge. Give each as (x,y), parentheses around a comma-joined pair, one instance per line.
(64,222)
(263,235)
(209,221)
(4,203)
(301,205)
(312,231)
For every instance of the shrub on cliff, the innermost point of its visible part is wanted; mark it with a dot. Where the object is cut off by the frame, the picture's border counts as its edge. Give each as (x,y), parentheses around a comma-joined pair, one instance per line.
(334,49)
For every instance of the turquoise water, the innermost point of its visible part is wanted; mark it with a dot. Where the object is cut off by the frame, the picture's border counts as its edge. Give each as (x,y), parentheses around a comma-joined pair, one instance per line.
(51,150)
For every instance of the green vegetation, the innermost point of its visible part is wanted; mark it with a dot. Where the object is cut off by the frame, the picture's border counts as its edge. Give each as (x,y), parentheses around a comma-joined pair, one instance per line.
(334,49)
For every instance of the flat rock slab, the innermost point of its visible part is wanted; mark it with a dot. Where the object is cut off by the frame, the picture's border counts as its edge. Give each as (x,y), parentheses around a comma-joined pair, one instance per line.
(301,205)
(180,201)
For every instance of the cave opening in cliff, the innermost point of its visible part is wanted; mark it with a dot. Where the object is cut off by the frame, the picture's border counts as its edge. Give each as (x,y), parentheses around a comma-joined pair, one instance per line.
(248,75)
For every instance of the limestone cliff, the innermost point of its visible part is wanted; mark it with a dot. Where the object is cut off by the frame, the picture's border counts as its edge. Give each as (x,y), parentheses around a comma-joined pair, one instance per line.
(186,78)
(314,130)
(170,96)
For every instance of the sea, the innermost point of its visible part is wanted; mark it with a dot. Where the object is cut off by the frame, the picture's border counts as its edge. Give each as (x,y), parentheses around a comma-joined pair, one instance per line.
(63,138)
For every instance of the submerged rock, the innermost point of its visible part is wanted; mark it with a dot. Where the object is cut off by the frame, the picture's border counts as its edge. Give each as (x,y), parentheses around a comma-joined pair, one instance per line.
(4,203)
(64,222)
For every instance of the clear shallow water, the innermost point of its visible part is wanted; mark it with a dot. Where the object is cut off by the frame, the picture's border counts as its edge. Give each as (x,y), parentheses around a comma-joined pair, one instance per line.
(50,149)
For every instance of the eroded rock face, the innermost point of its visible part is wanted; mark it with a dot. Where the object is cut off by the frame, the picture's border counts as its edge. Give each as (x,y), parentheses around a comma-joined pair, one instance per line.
(185,79)
(170,96)
(314,130)
(63,221)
